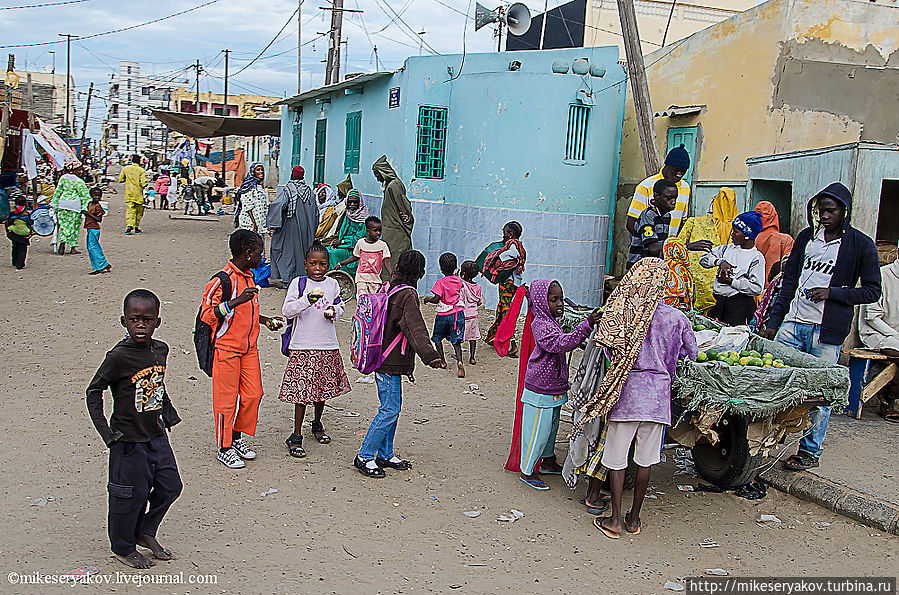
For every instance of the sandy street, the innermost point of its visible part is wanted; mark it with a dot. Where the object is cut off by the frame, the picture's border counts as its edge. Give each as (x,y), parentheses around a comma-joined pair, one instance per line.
(328,529)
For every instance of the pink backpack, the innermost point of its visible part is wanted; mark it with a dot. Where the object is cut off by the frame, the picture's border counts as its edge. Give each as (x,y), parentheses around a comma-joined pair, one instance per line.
(367,351)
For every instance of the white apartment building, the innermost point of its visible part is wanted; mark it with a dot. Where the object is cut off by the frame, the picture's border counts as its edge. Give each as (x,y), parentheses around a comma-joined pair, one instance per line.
(130,128)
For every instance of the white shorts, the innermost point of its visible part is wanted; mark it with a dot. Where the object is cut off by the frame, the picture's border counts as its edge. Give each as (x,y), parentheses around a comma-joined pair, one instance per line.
(621,434)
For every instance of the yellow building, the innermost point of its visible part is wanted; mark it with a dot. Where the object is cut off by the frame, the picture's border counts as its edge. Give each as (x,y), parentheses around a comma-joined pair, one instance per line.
(787,75)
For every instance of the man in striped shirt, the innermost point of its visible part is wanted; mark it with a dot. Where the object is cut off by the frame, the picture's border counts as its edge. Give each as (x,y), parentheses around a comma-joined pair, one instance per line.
(677,162)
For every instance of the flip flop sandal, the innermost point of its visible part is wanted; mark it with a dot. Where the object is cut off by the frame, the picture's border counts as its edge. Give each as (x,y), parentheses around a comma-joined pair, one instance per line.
(800,462)
(318,432)
(597,522)
(594,510)
(627,521)
(537,484)
(890,415)
(295,446)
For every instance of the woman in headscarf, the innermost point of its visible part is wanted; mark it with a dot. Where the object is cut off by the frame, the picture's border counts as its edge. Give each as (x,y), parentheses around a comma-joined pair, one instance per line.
(679,293)
(704,233)
(71,197)
(771,242)
(330,208)
(350,231)
(292,217)
(396,211)
(253,201)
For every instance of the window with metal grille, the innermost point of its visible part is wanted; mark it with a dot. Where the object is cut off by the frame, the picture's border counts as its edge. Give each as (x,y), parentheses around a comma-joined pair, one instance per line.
(318,172)
(296,150)
(576,139)
(353,142)
(431,154)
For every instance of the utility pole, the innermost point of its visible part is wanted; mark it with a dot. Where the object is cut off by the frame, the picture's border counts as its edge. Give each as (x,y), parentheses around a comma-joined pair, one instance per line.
(6,109)
(299,47)
(225,113)
(87,111)
(543,23)
(30,91)
(346,55)
(420,39)
(377,67)
(637,73)
(68,37)
(198,68)
(332,70)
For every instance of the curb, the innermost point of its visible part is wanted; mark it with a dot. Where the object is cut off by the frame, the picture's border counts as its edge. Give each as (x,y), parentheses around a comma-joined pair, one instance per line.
(865,509)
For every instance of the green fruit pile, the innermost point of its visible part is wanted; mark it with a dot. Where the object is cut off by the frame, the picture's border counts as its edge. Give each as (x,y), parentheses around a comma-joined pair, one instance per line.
(744,358)
(699,327)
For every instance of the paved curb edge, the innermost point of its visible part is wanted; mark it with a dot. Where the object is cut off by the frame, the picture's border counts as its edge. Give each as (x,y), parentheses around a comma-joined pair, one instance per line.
(863,508)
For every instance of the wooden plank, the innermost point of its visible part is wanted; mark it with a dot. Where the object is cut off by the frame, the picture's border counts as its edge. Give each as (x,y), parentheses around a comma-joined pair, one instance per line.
(879,381)
(865,354)
(194,217)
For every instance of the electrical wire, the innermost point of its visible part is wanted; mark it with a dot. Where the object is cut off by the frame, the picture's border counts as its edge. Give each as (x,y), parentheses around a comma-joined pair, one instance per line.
(274,39)
(412,34)
(130,27)
(43,5)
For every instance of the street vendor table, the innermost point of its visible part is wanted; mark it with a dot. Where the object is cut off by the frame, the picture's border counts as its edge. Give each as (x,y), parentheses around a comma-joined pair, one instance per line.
(860,388)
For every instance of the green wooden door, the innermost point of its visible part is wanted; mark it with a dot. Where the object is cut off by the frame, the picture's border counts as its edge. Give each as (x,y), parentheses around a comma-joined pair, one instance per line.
(686,136)
(321,129)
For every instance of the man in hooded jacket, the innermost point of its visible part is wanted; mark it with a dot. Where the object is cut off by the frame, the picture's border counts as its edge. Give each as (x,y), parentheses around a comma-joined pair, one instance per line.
(293,219)
(814,309)
(396,212)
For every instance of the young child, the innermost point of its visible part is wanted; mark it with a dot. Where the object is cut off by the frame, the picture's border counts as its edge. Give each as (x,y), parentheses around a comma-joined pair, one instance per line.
(450,321)
(236,373)
(142,469)
(654,223)
(19,230)
(93,215)
(403,316)
(373,254)
(546,386)
(644,340)
(471,299)
(315,370)
(741,272)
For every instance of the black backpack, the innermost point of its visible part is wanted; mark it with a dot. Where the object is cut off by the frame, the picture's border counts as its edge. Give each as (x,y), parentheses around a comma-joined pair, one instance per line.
(204,335)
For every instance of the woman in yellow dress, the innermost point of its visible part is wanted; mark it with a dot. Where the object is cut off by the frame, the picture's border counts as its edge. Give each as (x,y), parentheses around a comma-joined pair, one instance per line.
(704,233)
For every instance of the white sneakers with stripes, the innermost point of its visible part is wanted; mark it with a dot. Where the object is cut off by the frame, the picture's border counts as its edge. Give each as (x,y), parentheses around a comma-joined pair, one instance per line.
(231,459)
(242,449)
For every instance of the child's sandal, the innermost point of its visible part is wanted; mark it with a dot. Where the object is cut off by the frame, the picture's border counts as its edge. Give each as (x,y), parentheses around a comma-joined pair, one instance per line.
(295,446)
(318,432)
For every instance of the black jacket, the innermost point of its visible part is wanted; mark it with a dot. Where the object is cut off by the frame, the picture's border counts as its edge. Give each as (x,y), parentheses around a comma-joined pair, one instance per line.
(856,260)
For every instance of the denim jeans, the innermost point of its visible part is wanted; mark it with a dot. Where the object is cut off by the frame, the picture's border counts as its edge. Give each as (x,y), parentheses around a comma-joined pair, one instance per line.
(806,338)
(378,440)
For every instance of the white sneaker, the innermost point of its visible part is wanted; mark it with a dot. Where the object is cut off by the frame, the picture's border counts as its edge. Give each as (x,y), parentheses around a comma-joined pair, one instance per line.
(242,449)
(231,459)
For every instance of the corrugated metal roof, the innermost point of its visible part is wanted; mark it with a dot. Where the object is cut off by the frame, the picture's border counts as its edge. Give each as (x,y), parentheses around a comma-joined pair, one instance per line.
(679,111)
(863,145)
(347,84)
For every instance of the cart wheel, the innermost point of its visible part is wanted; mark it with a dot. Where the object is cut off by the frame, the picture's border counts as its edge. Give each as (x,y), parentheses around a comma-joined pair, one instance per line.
(727,464)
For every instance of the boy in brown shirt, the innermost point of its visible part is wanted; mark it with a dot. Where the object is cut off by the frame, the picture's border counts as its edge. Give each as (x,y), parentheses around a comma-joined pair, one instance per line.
(93,215)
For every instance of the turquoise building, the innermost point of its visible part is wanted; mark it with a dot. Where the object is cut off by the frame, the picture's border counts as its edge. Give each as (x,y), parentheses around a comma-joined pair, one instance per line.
(480,139)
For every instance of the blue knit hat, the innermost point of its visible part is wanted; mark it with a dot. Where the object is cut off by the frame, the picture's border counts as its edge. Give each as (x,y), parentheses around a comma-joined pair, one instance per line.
(750,223)
(678,158)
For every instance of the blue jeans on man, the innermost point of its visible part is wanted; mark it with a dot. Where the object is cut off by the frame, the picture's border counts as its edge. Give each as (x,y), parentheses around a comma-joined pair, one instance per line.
(378,440)
(806,338)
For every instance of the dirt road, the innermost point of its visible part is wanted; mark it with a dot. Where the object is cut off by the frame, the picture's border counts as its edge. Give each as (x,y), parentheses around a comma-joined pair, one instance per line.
(327,529)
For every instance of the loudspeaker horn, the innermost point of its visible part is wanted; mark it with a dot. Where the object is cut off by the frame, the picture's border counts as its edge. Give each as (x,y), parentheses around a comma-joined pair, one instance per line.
(483,16)
(518,19)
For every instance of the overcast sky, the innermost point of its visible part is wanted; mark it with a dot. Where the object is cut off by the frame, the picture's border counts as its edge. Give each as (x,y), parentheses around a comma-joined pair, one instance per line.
(243,26)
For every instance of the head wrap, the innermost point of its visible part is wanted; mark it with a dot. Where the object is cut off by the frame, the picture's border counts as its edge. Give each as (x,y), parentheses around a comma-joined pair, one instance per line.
(769,215)
(678,158)
(750,223)
(250,181)
(679,292)
(297,173)
(724,209)
(330,197)
(360,214)
(622,330)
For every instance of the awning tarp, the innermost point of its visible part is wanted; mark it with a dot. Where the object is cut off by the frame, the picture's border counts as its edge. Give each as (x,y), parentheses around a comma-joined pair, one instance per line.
(203,126)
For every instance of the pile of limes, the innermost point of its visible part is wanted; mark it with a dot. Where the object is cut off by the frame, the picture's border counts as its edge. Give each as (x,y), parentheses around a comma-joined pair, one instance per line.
(699,327)
(743,358)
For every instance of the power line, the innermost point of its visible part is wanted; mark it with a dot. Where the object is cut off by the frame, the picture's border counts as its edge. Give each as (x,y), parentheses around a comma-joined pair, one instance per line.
(43,5)
(83,37)
(275,38)
(411,34)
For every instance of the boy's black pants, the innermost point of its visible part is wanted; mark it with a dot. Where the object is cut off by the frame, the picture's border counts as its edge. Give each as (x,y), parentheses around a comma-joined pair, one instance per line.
(19,251)
(140,473)
(733,310)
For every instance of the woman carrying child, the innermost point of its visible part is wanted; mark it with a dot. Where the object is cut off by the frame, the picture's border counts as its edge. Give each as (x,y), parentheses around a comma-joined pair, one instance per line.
(545,382)
(315,370)
(506,263)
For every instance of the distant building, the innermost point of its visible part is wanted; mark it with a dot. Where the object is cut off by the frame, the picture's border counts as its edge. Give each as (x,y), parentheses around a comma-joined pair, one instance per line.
(531,136)
(130,128)
(49,96)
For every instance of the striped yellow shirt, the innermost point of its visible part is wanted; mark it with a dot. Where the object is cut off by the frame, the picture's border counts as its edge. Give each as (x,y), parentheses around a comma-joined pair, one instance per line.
(643,194)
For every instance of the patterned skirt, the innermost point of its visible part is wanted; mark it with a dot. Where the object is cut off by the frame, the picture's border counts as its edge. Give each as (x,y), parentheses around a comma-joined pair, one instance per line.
(506,293)
(313,376)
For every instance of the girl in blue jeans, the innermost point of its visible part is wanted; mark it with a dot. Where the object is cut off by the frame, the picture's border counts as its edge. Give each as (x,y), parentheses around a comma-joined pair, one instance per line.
(403,317)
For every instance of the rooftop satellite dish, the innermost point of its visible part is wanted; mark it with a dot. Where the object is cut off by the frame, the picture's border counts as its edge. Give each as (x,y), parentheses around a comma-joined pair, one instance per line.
(516,17)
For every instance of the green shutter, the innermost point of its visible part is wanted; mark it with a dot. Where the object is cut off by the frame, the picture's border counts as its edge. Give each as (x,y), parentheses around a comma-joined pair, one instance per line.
(431,154)
(321,129)
(576,139)
(353,143)
(687,137)
(297,142)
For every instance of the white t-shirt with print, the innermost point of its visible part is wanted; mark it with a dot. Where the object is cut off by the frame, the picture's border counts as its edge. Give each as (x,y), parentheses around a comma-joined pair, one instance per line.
(817,271)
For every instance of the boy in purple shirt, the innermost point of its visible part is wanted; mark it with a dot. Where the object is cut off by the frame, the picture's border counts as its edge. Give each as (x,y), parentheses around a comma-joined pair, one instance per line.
(450,321)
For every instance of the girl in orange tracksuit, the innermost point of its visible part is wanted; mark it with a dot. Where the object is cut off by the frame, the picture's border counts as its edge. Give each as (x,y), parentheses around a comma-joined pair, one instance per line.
(236,374)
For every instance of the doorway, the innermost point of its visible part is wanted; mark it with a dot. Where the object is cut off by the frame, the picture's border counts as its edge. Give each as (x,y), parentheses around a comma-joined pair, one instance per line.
(888,212)
(318,172)
(780,194)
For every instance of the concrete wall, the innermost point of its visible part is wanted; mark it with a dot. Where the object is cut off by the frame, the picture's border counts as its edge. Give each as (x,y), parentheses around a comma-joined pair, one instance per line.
(504,156)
